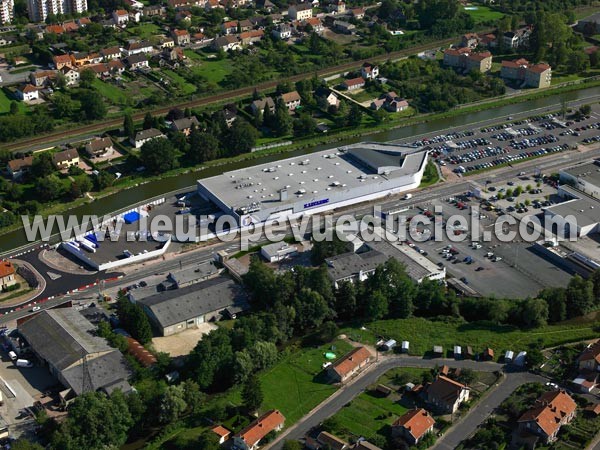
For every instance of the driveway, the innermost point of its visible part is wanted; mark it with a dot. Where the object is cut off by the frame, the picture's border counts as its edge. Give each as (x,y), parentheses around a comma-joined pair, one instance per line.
(348,392)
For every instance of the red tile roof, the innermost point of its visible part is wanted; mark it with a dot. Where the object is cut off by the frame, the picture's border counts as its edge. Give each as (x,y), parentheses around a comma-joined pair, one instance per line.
(62,59)
(355,81)
(136,349)
(351,360)
(220,431)
(6,268)
(445,389)
(57,29)
(551,408)
(20,163)
(417,422)
(539,68)
(177,32)
(262,426)
(591,353)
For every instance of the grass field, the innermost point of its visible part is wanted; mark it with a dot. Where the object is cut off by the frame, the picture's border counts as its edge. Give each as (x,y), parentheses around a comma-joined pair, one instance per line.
(5,102)
(180,82)
(145,30)
(367,415)
(423,334)
(110,92)
(483,13)
(213,70)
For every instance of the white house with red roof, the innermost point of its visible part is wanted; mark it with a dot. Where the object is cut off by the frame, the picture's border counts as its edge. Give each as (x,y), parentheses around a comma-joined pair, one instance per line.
(249,438)
(27,93)
(413,426)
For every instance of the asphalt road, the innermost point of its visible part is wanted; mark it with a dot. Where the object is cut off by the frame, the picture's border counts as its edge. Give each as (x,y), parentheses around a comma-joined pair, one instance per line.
(348,392)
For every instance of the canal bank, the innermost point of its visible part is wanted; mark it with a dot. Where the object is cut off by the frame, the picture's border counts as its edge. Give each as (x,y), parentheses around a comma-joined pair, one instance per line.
(142,192)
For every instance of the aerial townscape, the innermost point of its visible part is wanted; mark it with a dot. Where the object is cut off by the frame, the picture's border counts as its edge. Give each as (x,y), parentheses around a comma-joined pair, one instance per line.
(299,224)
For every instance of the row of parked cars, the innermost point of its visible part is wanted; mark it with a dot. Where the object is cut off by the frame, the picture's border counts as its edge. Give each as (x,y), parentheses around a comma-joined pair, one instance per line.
(443,138)
(506,136)
(534,142)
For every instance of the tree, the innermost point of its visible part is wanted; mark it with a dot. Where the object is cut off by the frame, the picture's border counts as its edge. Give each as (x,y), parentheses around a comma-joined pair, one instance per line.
(134,320)
(172,404)
(252,395)
(355,114)
(345,300)
(203,147)
(467,376)
(579,297)
(305,125)
(64,107)
(208,441)
(240,138)
(148,121)
(24,444)
(86,78)
(158,155)
(42,165)
(282,122)
(14,107)
(95,422)
(128,126)
(92,105)
(534,358)
(211,361)
(49,188)
(376,306)
(534,312)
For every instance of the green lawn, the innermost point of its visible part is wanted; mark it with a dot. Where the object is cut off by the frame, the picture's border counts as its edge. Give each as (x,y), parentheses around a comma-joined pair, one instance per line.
(423,334)
(294,385)
(367,415)
(180,82)
(483,13)
(145,30)
(5,102)
(110,91)
(213,70)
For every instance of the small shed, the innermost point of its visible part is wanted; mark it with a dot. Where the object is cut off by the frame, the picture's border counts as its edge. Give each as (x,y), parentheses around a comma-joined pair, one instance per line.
(131,217)
(488,354)
(405,346)
(521,359)
(508,356)
(469,352)
(438,350)
(383,390)
(457,352)
(389,345)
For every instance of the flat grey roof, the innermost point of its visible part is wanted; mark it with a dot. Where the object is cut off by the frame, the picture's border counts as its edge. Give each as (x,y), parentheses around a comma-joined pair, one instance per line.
(589,172)
(314,175)
(350,264)
(417,267)
(179,305)
(194,273)
(584,208)
(277,248)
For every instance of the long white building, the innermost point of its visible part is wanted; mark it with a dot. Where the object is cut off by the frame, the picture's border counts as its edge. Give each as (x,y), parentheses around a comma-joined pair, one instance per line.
(6,11)
(314,183)
(39,10)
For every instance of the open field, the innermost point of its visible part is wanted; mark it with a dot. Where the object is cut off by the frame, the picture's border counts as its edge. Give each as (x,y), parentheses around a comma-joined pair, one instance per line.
(180,82)
(213,70)
(423,334)
(110,92)
(367,415)
(483,13)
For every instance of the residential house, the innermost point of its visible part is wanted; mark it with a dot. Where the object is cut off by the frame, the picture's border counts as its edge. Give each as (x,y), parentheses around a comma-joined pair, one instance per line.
(84,21)
(332,100)
(527,74)
(301,11)
(353,266)
(99,147)
(136,62)
(182,37)
(518,38)
(349,364)
(55,29)
(551,411)
(246,25)
(337,7)
(27,93)
(488,40)
(16,168)
(261,104)
(586,381)
(362,444)
(166,42)
(121,17)
(466,59)
(353,84)
(185,125)
(7,274)
(230,27)
(65,159)
(251,37)
(447,395)
(326,440)
(390,102)
(67,343)
(230,114)
(70,26)
(42,78)
(291,99)
(134,48)
(111,53)
(315,23)
(589,359)
(222,433)
(61,61)
(226,43)
(80,59)
(283,31)
(369,71)
(358,13)
(469,40)
(413,426)
(344,27)
(141,137)
(115,66)
(153,10)
(249,438)
(71,76)
(184,15)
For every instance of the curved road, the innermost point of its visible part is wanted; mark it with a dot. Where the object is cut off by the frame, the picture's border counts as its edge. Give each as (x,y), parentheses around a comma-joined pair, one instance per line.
(460,431)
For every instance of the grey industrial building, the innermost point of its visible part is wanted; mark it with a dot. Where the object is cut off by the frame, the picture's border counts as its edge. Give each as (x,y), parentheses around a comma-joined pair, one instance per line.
(579,213)
(585,177)
(82,361)
(316,182)
(174,311)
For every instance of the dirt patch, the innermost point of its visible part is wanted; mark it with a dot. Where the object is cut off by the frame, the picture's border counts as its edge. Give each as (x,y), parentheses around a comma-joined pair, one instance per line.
(183,343)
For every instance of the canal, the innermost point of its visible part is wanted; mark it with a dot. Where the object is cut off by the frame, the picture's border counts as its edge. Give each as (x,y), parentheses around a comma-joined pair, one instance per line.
(139,193)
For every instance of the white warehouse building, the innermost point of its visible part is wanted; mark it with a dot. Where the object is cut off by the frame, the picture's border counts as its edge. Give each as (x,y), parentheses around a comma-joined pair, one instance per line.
(314,183)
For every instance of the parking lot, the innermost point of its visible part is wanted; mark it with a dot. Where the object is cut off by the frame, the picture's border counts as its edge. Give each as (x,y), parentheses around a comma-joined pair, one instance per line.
(480,149)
